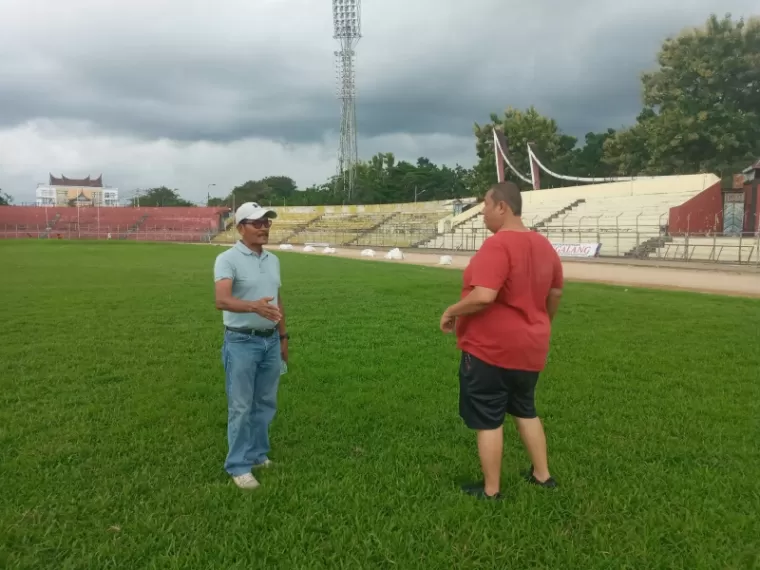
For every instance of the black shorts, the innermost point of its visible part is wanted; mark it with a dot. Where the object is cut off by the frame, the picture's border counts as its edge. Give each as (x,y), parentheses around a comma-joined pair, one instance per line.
(487,393)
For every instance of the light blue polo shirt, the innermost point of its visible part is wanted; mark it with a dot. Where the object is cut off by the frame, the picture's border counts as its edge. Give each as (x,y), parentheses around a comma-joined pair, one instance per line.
(253,277)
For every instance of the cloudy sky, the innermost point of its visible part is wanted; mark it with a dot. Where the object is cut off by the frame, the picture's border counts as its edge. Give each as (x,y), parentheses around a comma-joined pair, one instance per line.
(187,93)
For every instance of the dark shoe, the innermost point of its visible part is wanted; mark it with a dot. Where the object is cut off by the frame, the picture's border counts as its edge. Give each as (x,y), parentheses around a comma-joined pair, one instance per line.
(550,483)
(478,490)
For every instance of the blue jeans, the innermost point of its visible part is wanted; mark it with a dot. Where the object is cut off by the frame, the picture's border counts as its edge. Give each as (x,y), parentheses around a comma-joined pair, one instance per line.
(252,371)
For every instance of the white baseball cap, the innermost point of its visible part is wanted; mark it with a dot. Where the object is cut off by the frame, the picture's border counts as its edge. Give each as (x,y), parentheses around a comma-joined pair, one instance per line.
(252,211)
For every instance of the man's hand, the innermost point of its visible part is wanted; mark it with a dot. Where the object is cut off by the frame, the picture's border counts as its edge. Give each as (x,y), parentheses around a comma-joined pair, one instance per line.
(264,309)
(447,323)
(284,349)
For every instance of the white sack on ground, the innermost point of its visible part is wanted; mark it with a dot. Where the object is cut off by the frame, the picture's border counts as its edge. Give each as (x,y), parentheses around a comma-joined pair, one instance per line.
(395,253)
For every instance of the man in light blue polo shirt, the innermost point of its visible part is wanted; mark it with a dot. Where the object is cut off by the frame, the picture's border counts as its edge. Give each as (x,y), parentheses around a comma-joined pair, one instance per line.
(247,288)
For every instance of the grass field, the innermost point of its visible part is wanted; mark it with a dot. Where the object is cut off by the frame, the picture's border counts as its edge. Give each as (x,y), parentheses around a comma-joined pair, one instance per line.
(113,424)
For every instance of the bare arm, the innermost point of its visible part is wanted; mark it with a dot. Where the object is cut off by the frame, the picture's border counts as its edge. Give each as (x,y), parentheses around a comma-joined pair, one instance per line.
(226,302)
(552,302)
(555,293)
(475,301)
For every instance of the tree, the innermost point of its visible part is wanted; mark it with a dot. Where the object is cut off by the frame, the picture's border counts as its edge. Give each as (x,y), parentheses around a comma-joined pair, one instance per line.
(380,180)
(5,199)
(589,159)
(282,187)
(383,180)
(251,191)
(161,196)
(217,202)
(701,107)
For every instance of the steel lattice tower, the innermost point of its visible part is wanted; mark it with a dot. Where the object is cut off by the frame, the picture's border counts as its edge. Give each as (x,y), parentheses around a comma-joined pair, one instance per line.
(347,22)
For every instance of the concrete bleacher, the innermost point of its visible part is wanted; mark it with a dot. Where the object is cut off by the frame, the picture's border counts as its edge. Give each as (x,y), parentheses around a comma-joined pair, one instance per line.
(176,224)
(289,223)
(21,221)
(339,228)
(284,226)
(371,224)
(403,229)
(619,215)
(180,219)
(150,224)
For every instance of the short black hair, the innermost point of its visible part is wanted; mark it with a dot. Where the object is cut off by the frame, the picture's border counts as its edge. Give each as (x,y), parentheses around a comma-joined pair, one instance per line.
(508,192)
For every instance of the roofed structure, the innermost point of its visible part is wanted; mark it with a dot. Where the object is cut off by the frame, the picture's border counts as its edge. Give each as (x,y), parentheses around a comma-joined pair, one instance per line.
(755,166)
(86,182)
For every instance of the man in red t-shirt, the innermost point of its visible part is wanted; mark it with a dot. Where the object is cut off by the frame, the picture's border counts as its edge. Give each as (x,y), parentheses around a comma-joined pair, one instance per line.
(511,292)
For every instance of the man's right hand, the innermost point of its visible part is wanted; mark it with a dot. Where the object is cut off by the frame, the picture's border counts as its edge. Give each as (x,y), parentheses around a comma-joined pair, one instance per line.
(264,309)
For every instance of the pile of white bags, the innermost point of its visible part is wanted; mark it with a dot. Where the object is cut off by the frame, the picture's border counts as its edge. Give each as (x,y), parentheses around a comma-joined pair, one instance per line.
(395,253)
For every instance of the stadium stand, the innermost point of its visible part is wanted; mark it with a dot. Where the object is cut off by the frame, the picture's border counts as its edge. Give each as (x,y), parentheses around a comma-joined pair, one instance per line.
(403,229)
(375,224)
(339,228)
(673,218)
(620,216)
(287,225)
(154,224)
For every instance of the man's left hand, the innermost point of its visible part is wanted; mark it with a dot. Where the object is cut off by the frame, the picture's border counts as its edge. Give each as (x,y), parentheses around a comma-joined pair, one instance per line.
(284,349)
(447,323)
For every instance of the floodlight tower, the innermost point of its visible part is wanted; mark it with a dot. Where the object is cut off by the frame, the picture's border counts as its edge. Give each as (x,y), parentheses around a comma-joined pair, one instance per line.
(347,22)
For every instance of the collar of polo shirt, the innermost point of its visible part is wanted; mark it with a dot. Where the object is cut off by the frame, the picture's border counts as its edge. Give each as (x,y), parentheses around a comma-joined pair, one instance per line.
(240,246)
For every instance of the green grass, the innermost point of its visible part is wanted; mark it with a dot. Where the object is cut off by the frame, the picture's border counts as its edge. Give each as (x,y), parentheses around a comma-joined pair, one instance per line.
(113,419)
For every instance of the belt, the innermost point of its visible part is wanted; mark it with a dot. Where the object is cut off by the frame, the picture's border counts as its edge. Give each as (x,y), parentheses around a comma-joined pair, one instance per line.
(255,332)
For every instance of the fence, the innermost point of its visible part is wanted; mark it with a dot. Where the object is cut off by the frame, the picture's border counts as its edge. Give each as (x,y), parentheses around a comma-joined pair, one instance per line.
(634,241)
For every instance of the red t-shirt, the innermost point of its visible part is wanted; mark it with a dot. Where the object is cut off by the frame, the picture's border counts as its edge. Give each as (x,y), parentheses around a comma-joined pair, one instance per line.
(513,332)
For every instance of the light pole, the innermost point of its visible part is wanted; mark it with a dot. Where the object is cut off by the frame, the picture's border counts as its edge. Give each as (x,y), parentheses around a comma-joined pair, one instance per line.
(347,30)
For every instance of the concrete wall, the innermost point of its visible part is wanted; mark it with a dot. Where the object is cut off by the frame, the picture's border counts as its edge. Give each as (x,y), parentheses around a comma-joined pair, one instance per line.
(703,213)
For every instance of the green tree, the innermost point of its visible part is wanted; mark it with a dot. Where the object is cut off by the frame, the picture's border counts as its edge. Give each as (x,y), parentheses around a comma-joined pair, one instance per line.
(251,191)
(5,199)
(380,180)
(701,107)
(627,152)
(588,160)
(161,197)
(383,180)
(217,202)
(282,187)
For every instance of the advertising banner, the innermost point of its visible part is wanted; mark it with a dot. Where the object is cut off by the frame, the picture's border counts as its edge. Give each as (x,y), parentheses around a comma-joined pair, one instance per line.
(577,249)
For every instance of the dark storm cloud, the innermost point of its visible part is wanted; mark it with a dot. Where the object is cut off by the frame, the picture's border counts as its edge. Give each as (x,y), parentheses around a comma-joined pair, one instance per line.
(578,63)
